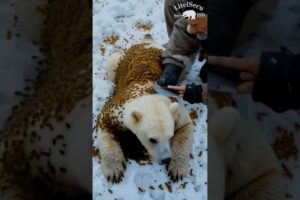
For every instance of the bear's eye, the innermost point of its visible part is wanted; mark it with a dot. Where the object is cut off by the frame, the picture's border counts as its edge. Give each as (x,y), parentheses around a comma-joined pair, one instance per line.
(153,141)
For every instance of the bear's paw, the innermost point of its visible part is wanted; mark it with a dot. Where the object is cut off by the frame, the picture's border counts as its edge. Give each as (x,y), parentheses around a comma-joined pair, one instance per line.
(113,166)
(178,168)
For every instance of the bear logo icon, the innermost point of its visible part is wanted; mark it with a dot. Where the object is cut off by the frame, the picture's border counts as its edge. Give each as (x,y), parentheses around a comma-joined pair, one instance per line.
(189,14)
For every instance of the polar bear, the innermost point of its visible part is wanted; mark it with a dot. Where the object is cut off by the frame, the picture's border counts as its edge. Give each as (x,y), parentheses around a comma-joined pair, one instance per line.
(242,164)
(162,127)
(189,14)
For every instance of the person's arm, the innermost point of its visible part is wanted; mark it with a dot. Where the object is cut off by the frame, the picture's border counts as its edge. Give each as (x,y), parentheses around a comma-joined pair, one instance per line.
(272,79)
(277,83)
(181,43)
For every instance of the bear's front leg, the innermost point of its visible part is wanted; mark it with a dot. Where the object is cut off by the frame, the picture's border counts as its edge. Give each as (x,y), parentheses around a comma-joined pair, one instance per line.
(181,145)
(113,162)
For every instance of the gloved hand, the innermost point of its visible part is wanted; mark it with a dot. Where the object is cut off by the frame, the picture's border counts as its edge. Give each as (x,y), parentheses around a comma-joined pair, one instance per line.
(193,93)
(170,75)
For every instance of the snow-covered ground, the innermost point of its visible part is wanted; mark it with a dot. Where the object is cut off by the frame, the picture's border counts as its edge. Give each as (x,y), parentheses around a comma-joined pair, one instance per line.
(125,19)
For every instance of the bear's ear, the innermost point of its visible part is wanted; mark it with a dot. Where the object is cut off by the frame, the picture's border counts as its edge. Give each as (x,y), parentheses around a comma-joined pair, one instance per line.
(174,108)
(136,116)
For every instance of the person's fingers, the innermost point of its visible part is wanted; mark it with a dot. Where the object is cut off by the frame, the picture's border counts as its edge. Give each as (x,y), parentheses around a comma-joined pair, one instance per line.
(173,87)
(181,95)
(247,76)
(246,87)
(245,64)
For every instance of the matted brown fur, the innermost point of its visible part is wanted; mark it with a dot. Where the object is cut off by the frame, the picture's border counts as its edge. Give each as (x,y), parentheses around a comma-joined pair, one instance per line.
(140,65)
(63,80)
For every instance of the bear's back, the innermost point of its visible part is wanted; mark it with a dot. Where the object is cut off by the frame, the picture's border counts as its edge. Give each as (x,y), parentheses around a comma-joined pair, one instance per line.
(139,65)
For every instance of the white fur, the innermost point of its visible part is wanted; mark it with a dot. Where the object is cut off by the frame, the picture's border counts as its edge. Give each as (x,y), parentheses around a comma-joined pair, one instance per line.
(156,121)
(150,117)
(156,117)
(152,44)
(113,63)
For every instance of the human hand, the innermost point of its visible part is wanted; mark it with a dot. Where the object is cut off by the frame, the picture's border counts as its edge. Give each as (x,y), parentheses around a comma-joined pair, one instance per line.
(179,89)
(198,25)
(248,68)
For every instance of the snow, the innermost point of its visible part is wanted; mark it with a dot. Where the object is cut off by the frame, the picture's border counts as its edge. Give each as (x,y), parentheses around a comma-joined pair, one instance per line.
(120,18)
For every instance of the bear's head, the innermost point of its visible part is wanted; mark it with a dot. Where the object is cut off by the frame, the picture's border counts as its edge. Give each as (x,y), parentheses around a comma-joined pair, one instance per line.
(151,119)
(148,40)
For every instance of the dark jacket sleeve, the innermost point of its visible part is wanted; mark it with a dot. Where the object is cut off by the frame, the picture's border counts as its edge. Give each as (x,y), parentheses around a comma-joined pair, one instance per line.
(180,43)
(278,81)
(193,94)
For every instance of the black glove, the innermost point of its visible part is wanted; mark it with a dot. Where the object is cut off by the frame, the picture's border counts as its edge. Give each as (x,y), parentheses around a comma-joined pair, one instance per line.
(193,93)
(170,75)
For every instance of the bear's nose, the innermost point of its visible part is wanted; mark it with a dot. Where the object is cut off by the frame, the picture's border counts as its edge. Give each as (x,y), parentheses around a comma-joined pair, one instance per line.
(148,36)
(165,161)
